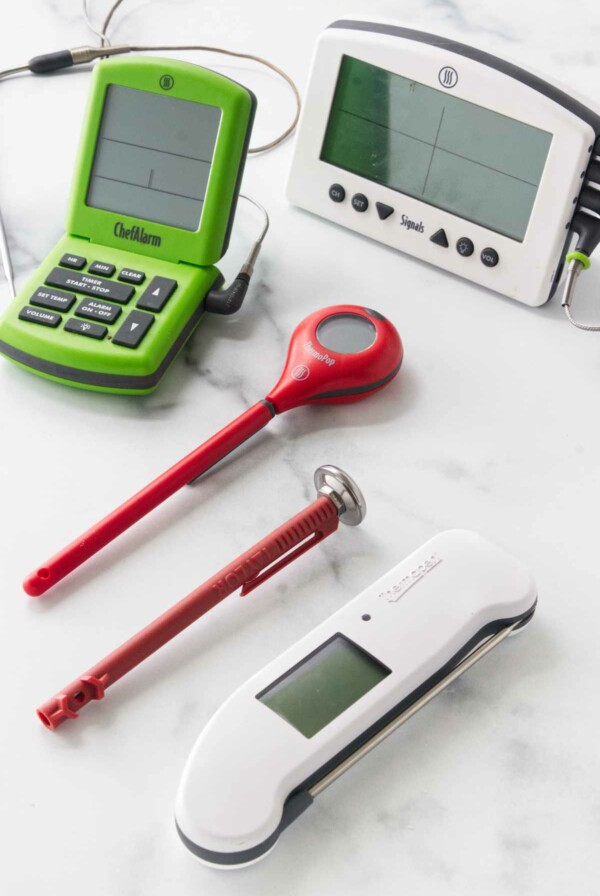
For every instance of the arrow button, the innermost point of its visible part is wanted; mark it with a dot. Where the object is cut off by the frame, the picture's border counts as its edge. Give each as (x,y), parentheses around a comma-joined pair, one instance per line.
(440,238)
(157,293)
(133,329)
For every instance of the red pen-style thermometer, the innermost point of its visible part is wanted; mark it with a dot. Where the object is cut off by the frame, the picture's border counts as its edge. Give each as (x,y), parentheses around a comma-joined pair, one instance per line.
(338,354)
(339,498)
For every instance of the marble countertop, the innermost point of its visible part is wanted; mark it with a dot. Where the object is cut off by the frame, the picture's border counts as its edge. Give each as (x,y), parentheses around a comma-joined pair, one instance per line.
(492,425)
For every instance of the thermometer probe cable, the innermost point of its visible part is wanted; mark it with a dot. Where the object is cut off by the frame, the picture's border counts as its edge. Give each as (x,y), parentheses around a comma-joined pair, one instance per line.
(221,301)
(586,225)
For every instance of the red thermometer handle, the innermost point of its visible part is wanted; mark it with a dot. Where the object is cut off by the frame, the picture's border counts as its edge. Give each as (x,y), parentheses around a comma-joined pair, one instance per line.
(188,468)
(302,532)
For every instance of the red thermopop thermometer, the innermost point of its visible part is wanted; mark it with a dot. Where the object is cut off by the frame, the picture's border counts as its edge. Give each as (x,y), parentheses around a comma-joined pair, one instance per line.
(336,355)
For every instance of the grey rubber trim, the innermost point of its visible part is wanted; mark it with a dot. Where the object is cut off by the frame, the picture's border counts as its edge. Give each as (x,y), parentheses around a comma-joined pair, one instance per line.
(107,380)
(359,390)
(294,806)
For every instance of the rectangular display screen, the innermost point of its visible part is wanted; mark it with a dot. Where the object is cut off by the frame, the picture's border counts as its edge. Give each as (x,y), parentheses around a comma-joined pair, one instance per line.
(153,157)
(321,687)
(426,143)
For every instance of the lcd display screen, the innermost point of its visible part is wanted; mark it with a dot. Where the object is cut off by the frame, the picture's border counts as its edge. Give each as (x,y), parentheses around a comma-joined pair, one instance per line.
(445,151)
(321,687)
(153,157)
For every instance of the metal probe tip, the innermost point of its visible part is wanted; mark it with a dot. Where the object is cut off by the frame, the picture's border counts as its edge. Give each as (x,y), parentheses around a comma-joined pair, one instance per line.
(343,491)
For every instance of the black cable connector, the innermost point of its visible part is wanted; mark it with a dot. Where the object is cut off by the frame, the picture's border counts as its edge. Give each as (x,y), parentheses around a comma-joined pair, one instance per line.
(587,228)
(229,300)
(50,62)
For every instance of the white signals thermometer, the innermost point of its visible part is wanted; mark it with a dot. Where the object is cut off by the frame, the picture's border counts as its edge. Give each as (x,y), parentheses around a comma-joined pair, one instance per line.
(447,153)
(295,727)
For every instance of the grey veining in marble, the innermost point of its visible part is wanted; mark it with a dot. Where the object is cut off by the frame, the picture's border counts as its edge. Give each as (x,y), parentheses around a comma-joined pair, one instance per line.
(492,425)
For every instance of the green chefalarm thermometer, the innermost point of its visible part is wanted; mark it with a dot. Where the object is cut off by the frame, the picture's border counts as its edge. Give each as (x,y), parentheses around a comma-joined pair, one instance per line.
(152,205)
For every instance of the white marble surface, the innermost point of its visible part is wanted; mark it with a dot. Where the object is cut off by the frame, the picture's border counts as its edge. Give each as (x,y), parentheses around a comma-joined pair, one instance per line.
(492,425)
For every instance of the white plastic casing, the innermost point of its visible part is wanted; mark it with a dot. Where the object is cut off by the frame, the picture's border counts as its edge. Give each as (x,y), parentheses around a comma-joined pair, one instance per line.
(526,269)
(424,612)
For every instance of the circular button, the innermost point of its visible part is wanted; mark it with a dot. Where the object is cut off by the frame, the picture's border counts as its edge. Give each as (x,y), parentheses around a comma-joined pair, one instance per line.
(464,246)
(490,257)
(337,193)
(360,203)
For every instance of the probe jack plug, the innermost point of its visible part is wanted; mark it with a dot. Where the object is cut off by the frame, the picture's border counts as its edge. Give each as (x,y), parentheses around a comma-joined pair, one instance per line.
(230,299)
(52,62)
(586,224)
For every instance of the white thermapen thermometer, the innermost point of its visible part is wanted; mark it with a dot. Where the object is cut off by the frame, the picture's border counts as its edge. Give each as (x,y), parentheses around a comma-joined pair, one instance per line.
(297,725)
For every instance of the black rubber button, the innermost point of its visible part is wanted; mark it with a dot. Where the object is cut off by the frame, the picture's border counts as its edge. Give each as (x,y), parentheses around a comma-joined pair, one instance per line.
(53,298)
(94,310)
(383,210)
(103,268)
(440,238)
(360,203)
(37,316)
(156,294)
(129,276)
(86,328)
(133,329)
(91,286)
(464,246)
(489,257)
(77,262)
(337,193)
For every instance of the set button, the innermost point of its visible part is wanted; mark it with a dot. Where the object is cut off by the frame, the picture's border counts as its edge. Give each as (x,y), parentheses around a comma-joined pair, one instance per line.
(360,203)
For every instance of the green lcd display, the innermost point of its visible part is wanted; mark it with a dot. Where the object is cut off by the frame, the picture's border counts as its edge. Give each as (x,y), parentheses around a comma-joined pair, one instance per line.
(445,151)
(153,156)
(324,685)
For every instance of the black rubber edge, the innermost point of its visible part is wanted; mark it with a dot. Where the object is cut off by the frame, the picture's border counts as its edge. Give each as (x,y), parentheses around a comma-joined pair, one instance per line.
(270,406)
(108,380)
(295,805)
(299,800)
(240,174)
(508,68)
(360,390)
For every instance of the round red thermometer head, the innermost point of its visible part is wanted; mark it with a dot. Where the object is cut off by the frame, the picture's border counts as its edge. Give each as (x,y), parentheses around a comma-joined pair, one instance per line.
(338,354)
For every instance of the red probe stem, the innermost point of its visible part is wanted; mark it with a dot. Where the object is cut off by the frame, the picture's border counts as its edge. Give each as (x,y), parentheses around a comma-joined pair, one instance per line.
(184,471)
(301,532)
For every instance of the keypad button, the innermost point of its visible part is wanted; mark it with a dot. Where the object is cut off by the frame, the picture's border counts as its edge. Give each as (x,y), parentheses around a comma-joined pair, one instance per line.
(94,310)
(85,328)
(37,316)
(102,267)
(77,262)
(360,203)
(464,246)
(440,238)
(383,210)
(337,193)
(489,257)
(53,298)
(129,276)
(156,294)
(133,329)
(90,286)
